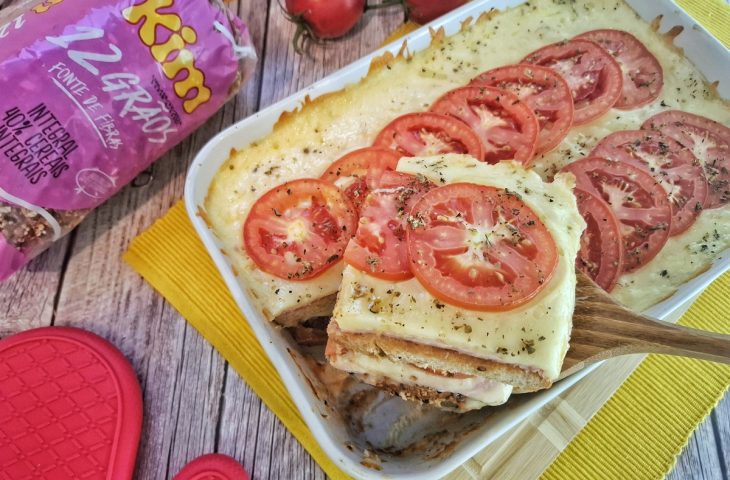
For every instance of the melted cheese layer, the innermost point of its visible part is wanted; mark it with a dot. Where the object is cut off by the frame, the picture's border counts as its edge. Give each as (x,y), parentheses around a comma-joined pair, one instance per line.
(479,390)
(534,335)
(306,143)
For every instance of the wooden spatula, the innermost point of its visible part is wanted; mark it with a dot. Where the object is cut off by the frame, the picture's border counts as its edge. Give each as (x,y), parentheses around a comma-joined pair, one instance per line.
(604,329)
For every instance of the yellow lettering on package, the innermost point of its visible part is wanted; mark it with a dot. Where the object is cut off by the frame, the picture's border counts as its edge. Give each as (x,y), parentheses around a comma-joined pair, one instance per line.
(148,14)
(171,53)
(43,7)
(193,80)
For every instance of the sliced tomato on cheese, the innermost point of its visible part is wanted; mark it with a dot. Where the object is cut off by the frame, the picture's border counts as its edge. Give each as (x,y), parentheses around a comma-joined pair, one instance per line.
(379,246)
(479,247)
(300,229)
(708,140)
(601,251)
(544,91)
(427,133)
(594,77)
(506,126)
(673,166)
(638,201)
(360,171)
(643,76)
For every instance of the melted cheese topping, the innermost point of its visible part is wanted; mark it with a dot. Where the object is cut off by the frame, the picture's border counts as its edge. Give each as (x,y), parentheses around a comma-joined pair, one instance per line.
(306,143)
(479,391)
(534,335)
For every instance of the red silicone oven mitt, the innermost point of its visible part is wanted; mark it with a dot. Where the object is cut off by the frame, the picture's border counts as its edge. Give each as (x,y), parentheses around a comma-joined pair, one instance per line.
(214,466)
(70,407)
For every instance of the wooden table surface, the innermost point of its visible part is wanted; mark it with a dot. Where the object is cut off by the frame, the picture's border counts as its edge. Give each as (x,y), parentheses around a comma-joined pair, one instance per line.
(194,403)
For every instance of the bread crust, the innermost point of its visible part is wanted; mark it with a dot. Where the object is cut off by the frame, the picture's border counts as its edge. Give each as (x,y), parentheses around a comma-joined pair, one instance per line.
(322,307)
(434,358)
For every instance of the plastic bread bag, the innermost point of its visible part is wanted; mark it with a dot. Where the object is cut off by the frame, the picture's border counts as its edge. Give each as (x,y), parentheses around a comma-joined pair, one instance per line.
(93,91)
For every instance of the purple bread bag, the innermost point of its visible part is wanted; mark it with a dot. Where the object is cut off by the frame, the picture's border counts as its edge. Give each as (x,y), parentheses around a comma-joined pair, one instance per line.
(93,91)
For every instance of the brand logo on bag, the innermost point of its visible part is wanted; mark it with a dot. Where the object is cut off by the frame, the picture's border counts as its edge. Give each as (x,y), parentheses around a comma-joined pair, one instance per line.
(171,53)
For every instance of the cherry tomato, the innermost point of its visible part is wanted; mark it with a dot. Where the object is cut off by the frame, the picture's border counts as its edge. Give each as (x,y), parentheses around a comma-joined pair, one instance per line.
(424,134)
(379,247)
(507,127)
(360,171)
(643,77)
(594,77)
(299,229)
(710,143)
(423,11)
(323,19)
(601,254)
(673,166)
(479,247)
(544,91)
(639,203)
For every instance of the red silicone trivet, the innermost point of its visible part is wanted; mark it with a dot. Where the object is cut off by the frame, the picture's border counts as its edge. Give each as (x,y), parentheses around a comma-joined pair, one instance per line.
(70,407)
(213,466)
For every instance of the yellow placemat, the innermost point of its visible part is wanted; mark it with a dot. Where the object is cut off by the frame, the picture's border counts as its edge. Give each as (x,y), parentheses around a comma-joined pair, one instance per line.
(637,434)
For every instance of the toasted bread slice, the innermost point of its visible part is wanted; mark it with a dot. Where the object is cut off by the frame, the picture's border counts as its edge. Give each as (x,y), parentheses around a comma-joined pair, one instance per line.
(447,390)
(433,358)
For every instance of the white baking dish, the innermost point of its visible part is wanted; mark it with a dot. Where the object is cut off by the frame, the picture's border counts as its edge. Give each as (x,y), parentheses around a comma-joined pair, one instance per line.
(711,58)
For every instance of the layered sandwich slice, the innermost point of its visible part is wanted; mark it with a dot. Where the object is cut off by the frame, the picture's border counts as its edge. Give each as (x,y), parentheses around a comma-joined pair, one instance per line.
(488,309)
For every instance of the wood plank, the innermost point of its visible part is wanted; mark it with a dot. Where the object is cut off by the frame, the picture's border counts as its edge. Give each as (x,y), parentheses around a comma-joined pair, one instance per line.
(27,299)
(701,457)
(286,72)
(721,426)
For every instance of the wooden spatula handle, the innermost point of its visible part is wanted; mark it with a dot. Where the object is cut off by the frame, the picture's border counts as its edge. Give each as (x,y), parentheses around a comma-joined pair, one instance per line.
(669,339)
(603,329)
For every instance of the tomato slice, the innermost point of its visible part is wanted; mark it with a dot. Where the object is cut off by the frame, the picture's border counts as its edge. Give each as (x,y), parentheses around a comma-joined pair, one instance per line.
(479,247)
(643,77)
(424,134)
(639,203)
(601,254)
(544,91)
(506,125)
(673,166)
(594,77)
(379,247)
(710,143)
(360,171)
(298,230)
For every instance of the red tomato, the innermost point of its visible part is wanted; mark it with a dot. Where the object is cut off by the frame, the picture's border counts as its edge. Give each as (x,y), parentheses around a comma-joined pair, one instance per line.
(643,77)
(673,166)
(600,256)
(639,203)
(428,133)
(506,125)
(360,171)
(379,247)
(299,229)
(423,11)
(544,91)
(479,248)
(326,18)
(594,77)
(710,143)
